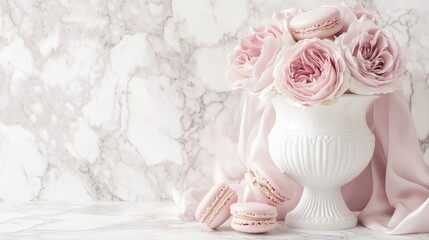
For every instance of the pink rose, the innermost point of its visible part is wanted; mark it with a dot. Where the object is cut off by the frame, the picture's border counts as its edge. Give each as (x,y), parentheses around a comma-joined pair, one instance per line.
(251,64)
(350,13)
(312,72)
(373,58)
(286,15)
(360,11)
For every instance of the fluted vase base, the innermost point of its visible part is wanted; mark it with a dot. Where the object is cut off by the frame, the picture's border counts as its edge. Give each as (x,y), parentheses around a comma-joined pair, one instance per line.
(321,210)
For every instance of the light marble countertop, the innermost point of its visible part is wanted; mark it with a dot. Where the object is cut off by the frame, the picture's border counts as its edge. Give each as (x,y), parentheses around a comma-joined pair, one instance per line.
(138,220)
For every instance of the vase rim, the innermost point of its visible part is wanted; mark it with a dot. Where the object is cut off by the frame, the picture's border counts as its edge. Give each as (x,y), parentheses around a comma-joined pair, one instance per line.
(346,96)
(354,95)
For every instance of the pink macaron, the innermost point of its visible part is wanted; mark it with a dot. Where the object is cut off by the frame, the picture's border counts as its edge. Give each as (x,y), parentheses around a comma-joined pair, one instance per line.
(213,209)
(268,184)
(253,217)
(320,22)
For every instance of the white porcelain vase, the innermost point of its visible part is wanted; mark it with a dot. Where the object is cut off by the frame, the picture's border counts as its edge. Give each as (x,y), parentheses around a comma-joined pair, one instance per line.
(322,148)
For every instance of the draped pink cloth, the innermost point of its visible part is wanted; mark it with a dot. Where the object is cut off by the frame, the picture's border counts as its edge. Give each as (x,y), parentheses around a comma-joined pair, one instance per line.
(391,195)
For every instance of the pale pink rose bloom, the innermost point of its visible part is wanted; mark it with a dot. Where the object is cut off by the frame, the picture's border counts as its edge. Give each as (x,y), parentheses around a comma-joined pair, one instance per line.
(350,13)
(284,16)
(312,72)
(360,11)
(251,64)
(373,57)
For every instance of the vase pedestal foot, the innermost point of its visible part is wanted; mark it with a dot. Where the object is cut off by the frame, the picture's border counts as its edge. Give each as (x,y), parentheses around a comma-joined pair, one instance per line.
(321,210)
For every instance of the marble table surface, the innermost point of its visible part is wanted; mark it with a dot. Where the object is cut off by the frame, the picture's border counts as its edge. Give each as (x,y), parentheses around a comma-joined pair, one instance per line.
(137,220)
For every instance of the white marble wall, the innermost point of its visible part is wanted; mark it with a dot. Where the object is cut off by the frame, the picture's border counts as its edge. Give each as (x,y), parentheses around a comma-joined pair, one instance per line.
(124,100)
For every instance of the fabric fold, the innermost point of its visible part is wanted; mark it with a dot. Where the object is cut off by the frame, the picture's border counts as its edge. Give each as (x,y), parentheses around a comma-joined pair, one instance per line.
(400,176)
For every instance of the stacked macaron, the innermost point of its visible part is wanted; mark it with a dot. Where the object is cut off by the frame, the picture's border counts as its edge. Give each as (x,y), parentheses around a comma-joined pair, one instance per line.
(253,217)
(268,184)
(320,22)
(269,188)
(213,209)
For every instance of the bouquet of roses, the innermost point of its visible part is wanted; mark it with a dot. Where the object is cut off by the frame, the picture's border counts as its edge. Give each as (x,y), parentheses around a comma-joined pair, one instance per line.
(348,52)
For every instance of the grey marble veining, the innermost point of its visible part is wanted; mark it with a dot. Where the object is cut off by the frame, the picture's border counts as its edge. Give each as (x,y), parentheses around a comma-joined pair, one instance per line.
(139,220)
(127,100)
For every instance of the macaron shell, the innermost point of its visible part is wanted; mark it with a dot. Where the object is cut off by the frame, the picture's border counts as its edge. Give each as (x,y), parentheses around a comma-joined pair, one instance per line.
(316,19)
(314,16)
(253,228)
(253,209)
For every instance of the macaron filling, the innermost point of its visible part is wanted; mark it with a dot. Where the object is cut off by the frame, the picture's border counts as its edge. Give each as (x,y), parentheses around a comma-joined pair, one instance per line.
(221,199)
(246,220)
(264,186)
(318,27)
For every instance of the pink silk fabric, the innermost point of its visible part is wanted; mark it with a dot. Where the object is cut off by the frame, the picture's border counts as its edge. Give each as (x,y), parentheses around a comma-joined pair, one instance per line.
(391,195)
